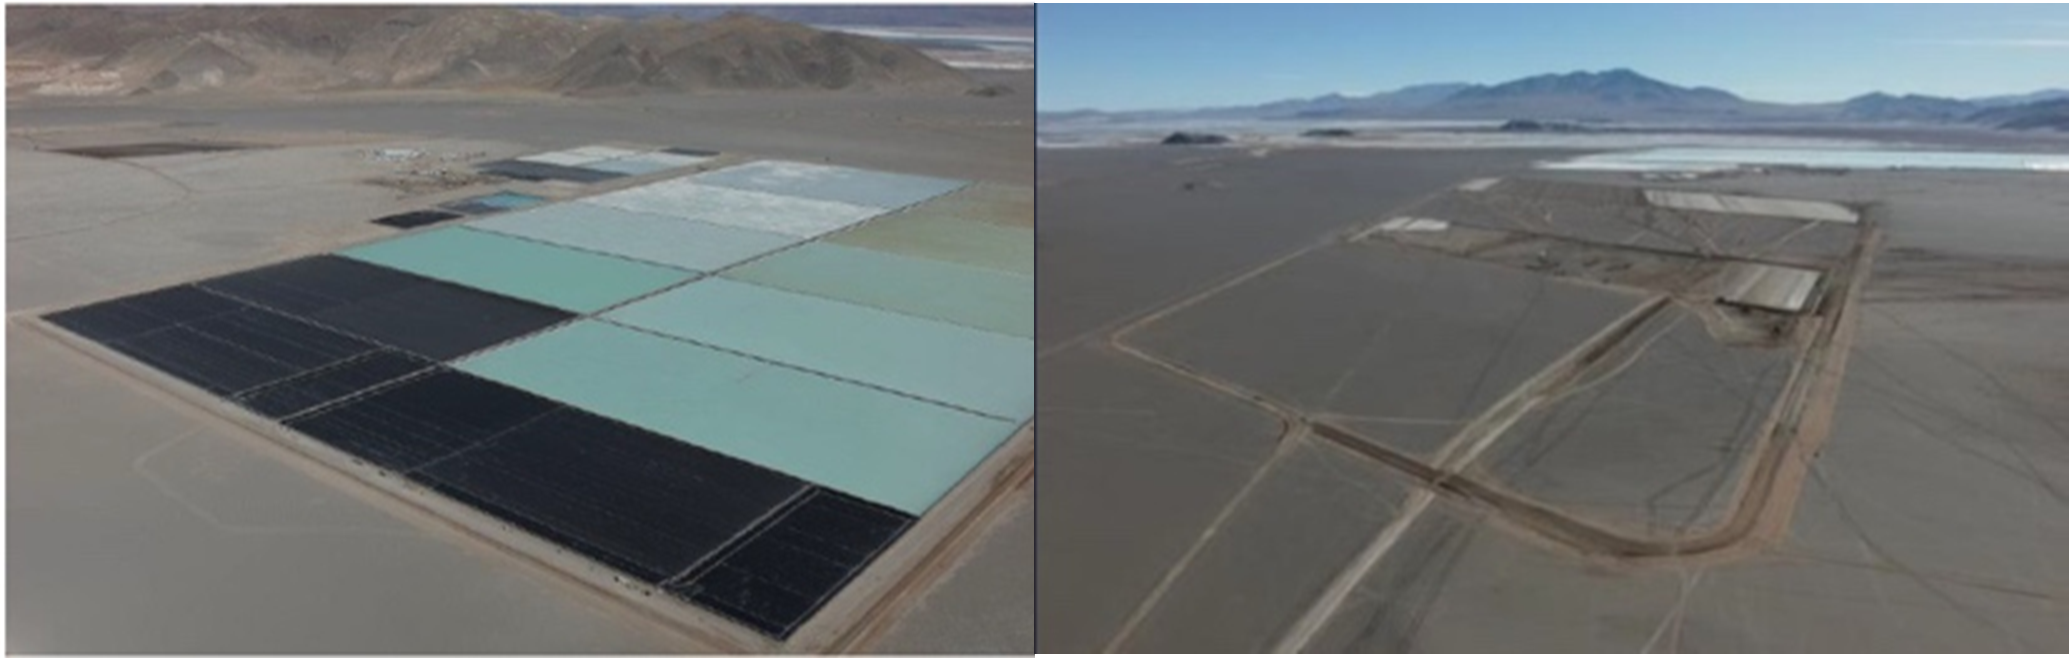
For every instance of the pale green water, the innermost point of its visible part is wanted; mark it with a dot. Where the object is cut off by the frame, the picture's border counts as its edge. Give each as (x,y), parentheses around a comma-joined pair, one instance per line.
(876,445)
(959,294)
(970,368)
(683,243)
(563,278)
(933,237)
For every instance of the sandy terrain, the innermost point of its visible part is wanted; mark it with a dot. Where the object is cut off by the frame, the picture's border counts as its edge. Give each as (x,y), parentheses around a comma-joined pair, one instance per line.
(139,523)
(1151,460)
(1924,517)
(1110,219)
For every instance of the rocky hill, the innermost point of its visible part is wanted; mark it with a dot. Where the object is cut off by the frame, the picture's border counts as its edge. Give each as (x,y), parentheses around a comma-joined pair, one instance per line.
(743,52)
(1879,106)
(100,51)
(1382,104)
(2040,115)
(1618,94)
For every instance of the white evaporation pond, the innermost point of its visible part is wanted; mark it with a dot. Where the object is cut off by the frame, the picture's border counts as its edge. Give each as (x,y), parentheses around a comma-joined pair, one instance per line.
(1718,159)
(774,213)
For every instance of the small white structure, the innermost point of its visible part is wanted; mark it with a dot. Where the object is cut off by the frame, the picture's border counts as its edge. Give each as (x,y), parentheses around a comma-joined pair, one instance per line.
(1414,224)
(396,155)
(1752,205)
(1478,184)
(1769,287)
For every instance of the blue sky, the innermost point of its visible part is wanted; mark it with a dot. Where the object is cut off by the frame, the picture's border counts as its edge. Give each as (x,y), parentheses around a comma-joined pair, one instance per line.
(1114,56)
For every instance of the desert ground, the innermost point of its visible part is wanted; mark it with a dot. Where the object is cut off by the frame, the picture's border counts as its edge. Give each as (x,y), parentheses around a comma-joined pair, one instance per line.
(1271,425)
(140,523)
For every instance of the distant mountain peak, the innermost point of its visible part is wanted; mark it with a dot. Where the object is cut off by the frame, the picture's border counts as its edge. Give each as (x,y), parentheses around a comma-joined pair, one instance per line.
(2049,114)
(1618,92)
(1619,74)
(1612,81)
(1622,94)
(2020,99)
(1881,106)
(1883,96)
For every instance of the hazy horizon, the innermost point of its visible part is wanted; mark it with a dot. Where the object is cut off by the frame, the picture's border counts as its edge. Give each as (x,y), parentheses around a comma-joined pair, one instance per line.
(1104,57)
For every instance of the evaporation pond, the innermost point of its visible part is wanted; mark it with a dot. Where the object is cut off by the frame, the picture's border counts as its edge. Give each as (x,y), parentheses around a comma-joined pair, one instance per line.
(564,278)
(970,368)
(683,243)
(959,294)
(879,446)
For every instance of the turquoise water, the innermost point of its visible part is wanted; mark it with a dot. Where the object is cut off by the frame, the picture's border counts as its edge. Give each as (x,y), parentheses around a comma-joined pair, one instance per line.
(563,278)
(970,368)
(879,446)
(683,243)
(508,200)
(1710,159)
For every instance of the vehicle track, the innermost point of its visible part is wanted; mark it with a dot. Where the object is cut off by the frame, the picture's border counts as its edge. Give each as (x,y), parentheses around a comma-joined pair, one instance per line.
(1759,512)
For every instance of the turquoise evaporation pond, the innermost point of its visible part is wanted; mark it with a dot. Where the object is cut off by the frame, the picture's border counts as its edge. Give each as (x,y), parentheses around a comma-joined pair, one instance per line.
(970,368)
(991,300)
(1706,159)
(564,278)
(507,200)
(877,445)
(683,243)
(860,187)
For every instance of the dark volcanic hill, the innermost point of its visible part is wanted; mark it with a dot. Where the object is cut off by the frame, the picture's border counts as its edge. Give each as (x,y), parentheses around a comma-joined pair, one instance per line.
(2020,99)
(93,51)
(2042,115)
(1908,108)
(1618,94)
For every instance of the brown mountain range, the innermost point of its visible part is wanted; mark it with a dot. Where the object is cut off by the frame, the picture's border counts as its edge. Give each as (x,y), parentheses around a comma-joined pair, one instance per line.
(102,51)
